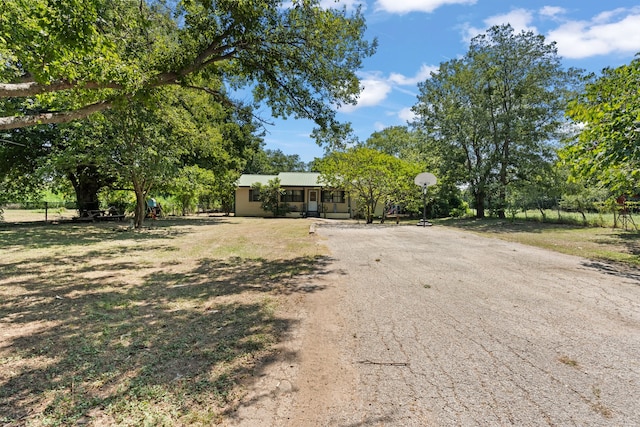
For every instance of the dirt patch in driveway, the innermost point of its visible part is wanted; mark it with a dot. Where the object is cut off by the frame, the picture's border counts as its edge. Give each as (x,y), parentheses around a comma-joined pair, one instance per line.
(440,327)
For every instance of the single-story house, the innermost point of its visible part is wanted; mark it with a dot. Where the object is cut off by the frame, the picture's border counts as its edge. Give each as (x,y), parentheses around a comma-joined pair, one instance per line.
(304,195)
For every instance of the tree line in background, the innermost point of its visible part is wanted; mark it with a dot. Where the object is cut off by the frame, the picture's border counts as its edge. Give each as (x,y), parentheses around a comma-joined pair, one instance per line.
(506,129)
(518,131)
(115,101)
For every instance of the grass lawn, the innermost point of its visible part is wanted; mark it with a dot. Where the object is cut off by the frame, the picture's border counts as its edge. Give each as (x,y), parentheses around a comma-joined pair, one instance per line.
(24,215)
(596,243)
(100,324)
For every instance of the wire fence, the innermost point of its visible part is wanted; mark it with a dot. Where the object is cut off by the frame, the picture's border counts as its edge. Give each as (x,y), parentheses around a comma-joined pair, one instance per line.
(37,211)
(41,204)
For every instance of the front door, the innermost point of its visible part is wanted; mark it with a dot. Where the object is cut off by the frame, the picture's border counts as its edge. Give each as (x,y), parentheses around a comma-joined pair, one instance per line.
(313,201)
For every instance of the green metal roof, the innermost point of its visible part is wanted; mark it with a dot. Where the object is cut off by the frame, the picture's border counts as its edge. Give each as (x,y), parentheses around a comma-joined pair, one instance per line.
(247,180)
(287,179)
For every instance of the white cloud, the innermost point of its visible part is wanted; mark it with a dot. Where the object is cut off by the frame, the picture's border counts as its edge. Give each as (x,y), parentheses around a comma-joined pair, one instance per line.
(519,19)
(374,91)
(379,126)
(407,115)
(552,11)
(423,74)
(406,6)
(376,87)
(614,31)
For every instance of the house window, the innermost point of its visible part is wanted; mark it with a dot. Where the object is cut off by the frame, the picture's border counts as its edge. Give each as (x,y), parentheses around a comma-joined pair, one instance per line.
(254,195)
(293,196)
(329,196)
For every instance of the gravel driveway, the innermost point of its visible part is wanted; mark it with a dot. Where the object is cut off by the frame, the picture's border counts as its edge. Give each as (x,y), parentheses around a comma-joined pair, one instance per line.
(437,327)
(413,326)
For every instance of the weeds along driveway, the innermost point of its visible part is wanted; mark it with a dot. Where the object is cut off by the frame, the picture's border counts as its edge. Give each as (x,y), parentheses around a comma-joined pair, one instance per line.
(439,327)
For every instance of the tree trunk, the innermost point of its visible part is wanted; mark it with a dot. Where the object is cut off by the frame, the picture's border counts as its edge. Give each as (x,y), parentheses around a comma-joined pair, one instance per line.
(369,219)
(141,208)
(502,193)
(371,210)
(141,202)
(87,182)
(541,210)
(502,202)
(480,196)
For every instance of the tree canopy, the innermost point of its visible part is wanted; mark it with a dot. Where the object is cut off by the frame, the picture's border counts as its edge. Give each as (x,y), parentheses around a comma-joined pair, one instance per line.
(272,162)
(371,176)
(66,59)
(607,114)
(497,111)
(399,141)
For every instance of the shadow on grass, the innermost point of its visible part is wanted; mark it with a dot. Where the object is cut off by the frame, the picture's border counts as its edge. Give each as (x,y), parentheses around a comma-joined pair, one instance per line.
(631,240)
(168,349)
(172,221)
(495,225)
(45,236)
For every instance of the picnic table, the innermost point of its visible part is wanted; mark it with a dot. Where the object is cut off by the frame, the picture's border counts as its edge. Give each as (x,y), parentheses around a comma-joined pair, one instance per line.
(99,215)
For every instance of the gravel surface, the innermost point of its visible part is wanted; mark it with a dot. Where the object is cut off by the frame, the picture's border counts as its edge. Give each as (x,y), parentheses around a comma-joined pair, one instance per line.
(436,327)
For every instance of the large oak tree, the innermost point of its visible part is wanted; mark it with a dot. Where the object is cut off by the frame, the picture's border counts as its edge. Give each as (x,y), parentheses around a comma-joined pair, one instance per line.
(67,59)
(498,111)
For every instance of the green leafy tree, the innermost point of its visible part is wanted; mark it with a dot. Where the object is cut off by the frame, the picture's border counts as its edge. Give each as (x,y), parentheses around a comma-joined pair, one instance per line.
(540,188)
(372,177)
(224,190)
(95,154)
(272,162)
(191,183)
(605,149)
(399,141)
(145,152)
(21,154)
(80,154)
(67,59)
(412,146)
(270,196)
(154,141)
(496,111)
(581,199)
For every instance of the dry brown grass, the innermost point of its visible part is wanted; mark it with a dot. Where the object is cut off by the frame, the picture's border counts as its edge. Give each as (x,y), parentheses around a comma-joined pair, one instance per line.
(25,215)
(103,325)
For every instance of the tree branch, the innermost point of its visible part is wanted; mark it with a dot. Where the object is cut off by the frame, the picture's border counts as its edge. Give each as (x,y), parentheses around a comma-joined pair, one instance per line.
(32,88)
(14,122)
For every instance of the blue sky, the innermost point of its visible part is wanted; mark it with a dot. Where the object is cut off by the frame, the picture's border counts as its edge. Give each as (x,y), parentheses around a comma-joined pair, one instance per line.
(415,36)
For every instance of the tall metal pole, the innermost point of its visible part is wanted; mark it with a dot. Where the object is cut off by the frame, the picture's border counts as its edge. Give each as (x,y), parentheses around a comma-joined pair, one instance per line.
(424,205)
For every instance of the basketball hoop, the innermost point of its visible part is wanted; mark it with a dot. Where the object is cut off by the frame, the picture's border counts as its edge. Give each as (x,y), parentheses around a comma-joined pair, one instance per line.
(424,180)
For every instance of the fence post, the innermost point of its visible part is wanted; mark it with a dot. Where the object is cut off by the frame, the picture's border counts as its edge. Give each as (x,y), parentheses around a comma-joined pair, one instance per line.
(46,212)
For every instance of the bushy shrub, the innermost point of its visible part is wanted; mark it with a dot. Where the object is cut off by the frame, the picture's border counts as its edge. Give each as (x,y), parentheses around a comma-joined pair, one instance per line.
(461,211)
